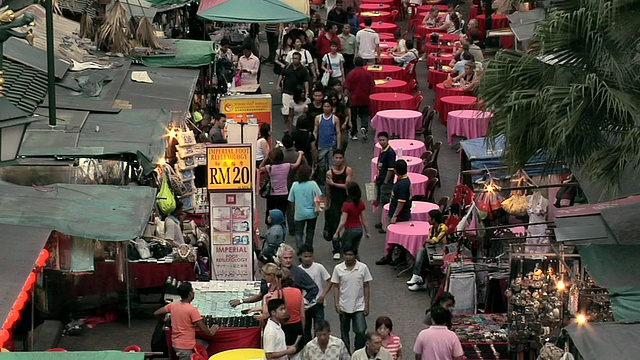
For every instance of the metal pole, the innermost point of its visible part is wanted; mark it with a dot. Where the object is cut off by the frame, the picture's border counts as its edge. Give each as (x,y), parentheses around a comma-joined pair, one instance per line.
(51,70)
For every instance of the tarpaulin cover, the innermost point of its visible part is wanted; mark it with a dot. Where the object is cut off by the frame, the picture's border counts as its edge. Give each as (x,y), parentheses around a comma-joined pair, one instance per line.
(73,355)
(20,246)
(615,268)
(102,212)
(481,153)
(189,53)
(600,341)
(260,11)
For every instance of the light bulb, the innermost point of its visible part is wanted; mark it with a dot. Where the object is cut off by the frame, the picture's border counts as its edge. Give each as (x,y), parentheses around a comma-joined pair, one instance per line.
(560,285)
(581,319)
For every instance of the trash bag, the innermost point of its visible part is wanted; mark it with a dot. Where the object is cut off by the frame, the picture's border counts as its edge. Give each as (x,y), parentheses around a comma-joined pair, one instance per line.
(159,340)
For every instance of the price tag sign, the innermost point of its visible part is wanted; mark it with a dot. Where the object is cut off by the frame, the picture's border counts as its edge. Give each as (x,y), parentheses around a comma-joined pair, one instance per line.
(230,167)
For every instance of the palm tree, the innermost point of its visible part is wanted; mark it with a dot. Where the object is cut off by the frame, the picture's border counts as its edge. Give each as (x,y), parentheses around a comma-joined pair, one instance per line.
(575,94)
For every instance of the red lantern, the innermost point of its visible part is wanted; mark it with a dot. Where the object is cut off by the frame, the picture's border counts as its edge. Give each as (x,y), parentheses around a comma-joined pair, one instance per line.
(20,301)
(42,258)
(4,336)
(28,285)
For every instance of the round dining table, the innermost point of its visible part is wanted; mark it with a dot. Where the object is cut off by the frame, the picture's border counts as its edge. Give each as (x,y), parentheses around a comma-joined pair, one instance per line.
(419,211)
(391,86)
(375,7)
(387,45)
(427,7)
(408,234)
(414,165)
(440,92)
(418,184)
(457,102)
(413,148)
(386,58)
(422,31)
(380,72)
(387,37)
(403,123)
(470,124)
(382,27)
(435,76)
(387,101)
(386,2)
(376,15)
(434,48)
(444,58)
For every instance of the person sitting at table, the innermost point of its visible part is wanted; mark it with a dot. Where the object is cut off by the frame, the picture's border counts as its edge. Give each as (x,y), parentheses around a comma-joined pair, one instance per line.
(409,56)
(437,234)
(452,8)
(458,50)
(458,68)
(400,48)
(474,49)
(432,18)
(473,32)
(468,79)
(453,26)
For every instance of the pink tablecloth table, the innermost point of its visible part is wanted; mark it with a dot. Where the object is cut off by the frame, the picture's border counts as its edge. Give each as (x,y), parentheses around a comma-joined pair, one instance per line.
(387,101)
(400,122)
(418,184)
(409,147)
(414,165)
(440,92)
(457,102)
(408,234)
(391,86)
(375,7)
(382,27)
(471,124)
(419,211)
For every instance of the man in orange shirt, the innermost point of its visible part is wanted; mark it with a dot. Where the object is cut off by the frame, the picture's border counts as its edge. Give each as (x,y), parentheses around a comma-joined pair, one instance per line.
(184,319)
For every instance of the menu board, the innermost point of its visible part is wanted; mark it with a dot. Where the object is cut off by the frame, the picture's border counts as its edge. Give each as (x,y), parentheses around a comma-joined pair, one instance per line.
(231,234)
(212,298)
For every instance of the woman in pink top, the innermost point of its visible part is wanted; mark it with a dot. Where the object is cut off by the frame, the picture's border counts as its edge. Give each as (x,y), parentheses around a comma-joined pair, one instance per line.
(278,172)
(391,342)
(352,220)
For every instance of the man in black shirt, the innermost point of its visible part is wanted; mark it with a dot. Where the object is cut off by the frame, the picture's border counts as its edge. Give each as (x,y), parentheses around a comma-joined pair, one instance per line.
(384,177)
(337,16)
(292,76)
(315,108)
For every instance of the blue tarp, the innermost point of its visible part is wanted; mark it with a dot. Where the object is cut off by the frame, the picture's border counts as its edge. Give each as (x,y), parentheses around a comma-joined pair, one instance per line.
(481,154)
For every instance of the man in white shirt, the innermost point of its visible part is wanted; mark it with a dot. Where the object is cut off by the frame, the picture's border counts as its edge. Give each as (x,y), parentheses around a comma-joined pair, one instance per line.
(373,349)
(273,339)
(438,342)
(409,56)
(368,43)
(325,346)
(320,276)
(351,296)
(249,65)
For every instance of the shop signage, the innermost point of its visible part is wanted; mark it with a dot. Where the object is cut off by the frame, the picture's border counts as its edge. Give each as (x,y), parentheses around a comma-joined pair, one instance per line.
(229,167)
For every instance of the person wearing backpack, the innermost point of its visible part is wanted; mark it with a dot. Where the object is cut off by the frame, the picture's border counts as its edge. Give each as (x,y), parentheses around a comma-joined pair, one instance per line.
(292,76)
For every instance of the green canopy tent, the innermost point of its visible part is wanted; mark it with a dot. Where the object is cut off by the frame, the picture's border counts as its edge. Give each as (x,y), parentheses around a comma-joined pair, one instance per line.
(188,53)
(260,11)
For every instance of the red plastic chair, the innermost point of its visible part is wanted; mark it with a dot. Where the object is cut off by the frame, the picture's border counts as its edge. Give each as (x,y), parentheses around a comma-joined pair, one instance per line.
(56,350)
(132,348)
(412,86)
(197,356)
(413,9)
(419,99)
(394,15)
(202,351)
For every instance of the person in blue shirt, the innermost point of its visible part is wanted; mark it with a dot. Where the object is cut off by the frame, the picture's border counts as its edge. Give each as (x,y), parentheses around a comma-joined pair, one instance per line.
(352,19)
(328,137)
(302,194)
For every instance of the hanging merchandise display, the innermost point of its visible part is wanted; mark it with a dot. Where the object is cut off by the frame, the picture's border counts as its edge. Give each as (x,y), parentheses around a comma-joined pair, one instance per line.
(185,165)
(489,201)
(516,204)
(538,207)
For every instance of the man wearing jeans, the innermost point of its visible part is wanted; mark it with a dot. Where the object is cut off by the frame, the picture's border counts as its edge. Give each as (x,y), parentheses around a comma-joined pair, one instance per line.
(359,84)
(327,133)
(351,297)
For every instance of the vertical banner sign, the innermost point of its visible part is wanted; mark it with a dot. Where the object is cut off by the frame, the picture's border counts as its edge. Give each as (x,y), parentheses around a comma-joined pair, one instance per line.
(230,184)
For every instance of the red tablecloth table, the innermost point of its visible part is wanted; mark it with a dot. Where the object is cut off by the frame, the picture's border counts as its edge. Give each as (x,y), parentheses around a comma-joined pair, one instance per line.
(471,124)
(445,58)
(427,7)
(385,71)
(433,48)
(413,148)
(400,122)
(387,37)
(391,86)
(388,101)
(224,339)
(414,165)
(457,102)
(386,59)
(498,21)
(408,234)
(375,7)
(376,15)
(435,77)
(382,27)
(386,44)
(387,2)
(419,211)
(441,91)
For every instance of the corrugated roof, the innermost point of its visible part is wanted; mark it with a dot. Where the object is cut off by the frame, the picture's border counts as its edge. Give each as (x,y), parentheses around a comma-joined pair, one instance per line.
(25,87)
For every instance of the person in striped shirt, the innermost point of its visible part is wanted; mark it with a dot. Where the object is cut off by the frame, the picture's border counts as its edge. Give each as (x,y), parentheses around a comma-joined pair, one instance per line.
(390,341)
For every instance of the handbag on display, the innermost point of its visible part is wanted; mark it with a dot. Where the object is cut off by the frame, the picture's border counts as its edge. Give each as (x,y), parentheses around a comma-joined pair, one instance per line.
(165,199)
(516,204)
(184,253)
(143,248)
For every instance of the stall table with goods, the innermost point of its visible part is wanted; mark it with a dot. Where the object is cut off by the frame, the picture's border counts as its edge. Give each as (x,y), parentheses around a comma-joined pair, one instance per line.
(382,27)
(376,16)
(419,211)
(403,123)
(237,330)
(387,101)
(437,76)
(444,59)
(380,72)
(440,92)
(457,102)
(483,336)
(414,165)
(375,7)
(391,86)
(413,148)
(470,124)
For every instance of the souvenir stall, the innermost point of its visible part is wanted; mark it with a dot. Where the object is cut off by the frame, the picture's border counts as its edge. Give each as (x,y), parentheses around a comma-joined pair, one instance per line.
(237,329)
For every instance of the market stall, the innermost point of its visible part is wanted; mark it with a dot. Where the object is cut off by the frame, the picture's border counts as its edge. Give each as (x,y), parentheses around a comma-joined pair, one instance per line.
(237,330)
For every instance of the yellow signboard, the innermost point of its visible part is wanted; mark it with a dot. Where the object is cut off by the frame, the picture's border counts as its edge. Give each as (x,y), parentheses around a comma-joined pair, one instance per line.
(230,167)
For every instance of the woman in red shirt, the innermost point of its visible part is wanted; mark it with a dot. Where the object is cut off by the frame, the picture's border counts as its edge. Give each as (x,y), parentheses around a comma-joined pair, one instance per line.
(352,220)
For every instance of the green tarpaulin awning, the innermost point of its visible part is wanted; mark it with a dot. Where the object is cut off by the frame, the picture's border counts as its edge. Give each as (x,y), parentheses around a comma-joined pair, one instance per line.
(72,355)
(261,11)
(189,53)
(102,212)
